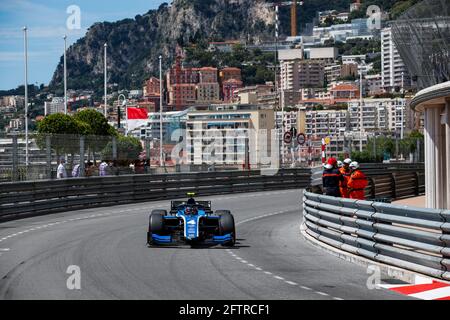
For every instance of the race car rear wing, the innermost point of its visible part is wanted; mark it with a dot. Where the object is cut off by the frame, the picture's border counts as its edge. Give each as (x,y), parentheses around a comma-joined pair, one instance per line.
(205,204)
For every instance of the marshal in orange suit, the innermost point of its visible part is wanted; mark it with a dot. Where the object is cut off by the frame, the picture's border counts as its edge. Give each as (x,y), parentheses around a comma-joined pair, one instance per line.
(357,182)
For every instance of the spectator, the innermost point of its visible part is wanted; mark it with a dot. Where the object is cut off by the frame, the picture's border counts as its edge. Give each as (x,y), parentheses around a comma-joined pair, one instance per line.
(103,169)
(139,167)
(147,166)
(76,171)
(89,169)
(114,168)
(61,172)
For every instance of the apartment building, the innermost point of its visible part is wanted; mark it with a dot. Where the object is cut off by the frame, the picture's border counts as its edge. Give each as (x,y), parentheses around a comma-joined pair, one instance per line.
(373,84)
(323,54)
(171,121)
(54,106)
(182,96)
(335,72)
(12,101)
(229,89)
(393,71)
(208,92)
(207,75)
(380,115)
(311,74)
(226,134)
(297,74)
(229,73)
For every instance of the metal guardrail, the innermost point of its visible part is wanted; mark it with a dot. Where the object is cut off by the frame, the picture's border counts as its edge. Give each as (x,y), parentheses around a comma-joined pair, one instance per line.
(411,238)
(23,199)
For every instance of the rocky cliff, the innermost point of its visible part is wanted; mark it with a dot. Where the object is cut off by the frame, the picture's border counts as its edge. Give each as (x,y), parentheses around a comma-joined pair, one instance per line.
(134,45)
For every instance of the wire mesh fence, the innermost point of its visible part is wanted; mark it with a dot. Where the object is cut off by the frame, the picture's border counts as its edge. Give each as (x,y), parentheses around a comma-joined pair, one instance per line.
(422,36)
(80,156)
(53,156)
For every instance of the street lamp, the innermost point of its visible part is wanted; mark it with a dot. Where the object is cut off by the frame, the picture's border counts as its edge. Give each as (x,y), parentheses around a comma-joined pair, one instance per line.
(65,74)
(403,106)
(124,104)
(160,112)
(361,102)
(106,89)
(25,40)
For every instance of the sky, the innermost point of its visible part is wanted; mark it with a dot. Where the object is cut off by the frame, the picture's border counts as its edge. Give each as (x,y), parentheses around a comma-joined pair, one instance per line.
(47,22)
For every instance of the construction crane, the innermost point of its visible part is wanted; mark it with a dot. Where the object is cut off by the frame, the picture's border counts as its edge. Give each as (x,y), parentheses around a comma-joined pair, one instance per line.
(293,5)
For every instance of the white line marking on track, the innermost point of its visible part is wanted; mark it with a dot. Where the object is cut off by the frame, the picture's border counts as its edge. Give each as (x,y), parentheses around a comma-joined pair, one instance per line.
(291,283)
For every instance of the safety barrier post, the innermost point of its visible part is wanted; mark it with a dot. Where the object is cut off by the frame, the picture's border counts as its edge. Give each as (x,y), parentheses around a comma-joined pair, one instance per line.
(417,184)
(15,169)
(114,148)
(82,150)
(48,149)
(372,185)
(394,185)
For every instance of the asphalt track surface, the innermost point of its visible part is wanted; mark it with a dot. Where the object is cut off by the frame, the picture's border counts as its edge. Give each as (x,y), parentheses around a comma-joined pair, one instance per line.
(270,261)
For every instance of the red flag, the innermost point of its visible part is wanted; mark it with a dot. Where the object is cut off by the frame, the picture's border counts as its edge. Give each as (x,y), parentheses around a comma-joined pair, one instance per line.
(137,117)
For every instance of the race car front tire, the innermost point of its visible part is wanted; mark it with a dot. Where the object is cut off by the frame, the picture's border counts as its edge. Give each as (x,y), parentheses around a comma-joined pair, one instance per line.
(155,225)
(227,226)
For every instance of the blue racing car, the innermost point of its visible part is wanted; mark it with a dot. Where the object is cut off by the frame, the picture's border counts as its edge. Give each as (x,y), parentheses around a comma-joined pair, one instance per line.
(191,222)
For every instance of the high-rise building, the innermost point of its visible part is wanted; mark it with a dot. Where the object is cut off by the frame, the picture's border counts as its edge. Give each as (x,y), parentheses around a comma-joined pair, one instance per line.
(393,70)
(297,74)
(228,134)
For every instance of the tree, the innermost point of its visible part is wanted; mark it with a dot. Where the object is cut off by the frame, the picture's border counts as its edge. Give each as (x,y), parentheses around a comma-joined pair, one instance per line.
(63,131)
(409,143)
(98,125)
(99,131)
(128,149)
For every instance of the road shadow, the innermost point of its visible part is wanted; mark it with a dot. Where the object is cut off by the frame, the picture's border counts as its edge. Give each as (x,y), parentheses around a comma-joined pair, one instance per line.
(214,246)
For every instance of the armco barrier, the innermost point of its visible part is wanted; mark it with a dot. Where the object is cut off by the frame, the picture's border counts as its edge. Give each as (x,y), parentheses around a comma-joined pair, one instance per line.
(23,199)
(410,238)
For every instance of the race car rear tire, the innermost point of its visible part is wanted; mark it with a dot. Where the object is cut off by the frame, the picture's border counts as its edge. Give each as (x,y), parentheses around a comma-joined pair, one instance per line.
(160,211)
(155,225)
(222,212)
(227,226)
